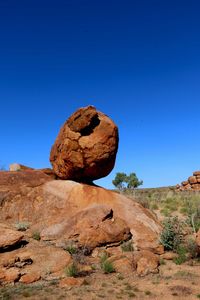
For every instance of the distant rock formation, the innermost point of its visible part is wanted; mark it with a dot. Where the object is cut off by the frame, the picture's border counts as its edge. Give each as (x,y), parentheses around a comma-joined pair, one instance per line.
(192,183)
(86,146)
(18,167)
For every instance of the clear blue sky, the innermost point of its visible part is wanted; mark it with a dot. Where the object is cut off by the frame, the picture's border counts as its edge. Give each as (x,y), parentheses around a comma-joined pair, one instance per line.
(136,61)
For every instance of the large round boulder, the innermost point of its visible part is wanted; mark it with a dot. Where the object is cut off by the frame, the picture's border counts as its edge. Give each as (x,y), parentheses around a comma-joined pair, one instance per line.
(86,146)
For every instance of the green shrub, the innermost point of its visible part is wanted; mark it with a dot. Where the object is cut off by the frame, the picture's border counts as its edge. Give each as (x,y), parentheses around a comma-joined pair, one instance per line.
(154,206)
(182,255)
(107,267)
(71,249)
(36,235)
(72,270)
(22,226)
(127,246)
(171,236)
(105,264)
(192,248)
(104,256)
(191,208)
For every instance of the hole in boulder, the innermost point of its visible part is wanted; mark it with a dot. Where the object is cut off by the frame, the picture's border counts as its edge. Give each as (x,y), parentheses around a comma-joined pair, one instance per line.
(89,129)
(108,216)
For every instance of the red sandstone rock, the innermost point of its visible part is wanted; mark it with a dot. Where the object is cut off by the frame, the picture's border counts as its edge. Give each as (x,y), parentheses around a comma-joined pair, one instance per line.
(188,187)
(49,172)
(184,182)
(147,262)
(91,228)
(196,186)
(45,260)
(86,146)
(49,207)
(196,173)
(192,179)
(9,237)
(9,275)
(69,282)
(30,277)
(124,263)
(28,178)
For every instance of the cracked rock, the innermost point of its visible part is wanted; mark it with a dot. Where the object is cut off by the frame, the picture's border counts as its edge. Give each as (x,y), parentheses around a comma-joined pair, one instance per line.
(86,146)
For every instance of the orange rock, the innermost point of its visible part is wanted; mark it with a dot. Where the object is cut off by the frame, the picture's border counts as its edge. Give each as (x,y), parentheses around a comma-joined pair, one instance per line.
(11,275)
(86,146)
(198,238)
(198,178)
(30,178)
(123,263)
(192,179)
(30,277)
(196,186)
(196,173)
(169,255)
(147,262)
(91,228)
(45,260)
(49,172)
(9,237)
(59,208)
(69,282)
(184,182)
(187,187)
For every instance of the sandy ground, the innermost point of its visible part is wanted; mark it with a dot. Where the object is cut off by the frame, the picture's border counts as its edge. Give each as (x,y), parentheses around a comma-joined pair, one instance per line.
(172,282)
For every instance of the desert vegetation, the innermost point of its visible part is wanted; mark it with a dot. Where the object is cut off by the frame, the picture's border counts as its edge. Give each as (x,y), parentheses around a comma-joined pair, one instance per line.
(123,182)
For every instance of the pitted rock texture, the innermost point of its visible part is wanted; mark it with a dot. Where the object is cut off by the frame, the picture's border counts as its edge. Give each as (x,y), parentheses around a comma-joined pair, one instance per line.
(86,146)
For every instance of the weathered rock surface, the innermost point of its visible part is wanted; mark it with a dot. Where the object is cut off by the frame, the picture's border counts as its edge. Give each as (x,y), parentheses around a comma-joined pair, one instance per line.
(32,262)
(147,262)
(67,213)
(86,146)
(66,210)
(92,227)
(70,282)
(9,237)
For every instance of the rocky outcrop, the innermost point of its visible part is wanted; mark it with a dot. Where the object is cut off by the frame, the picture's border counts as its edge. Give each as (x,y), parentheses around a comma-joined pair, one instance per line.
(65,211)
(192,183)
(18,167)
(33,262)
(66,222)
(86,146)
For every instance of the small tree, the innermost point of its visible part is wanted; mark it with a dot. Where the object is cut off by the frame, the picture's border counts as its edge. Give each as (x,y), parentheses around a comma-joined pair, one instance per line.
(120,180)
(130,181)
(133,181)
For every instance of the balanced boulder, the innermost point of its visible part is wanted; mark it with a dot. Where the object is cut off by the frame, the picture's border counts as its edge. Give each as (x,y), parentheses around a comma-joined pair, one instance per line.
(86,146)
